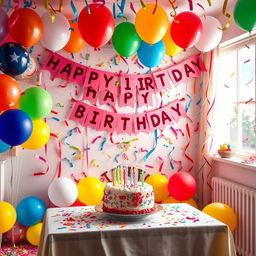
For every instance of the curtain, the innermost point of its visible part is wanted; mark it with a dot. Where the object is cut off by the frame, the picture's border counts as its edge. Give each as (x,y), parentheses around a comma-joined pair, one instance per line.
(208,87)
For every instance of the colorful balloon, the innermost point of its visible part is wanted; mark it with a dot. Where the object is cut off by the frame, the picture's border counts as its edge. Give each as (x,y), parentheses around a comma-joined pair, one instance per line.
(90,191)
(63,192)
(151,55)
(39,137)
(3,25)
(30,210)
(17,233)
(76,43)
(151,26)
(9,92)
(244,14)
(25,26)
(4,147)
(96,27)
(159,184)
(171,49)
(30,71)
(125,39)
(14,59)
(186,29)
(223,213)
(37,102)
(211,34)
(7,216)
(55,35)
(33,234)
(171,200)
(15,127)
(182,186)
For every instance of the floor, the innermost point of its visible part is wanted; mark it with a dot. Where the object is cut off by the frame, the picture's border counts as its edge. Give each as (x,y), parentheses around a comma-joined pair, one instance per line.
(21,249)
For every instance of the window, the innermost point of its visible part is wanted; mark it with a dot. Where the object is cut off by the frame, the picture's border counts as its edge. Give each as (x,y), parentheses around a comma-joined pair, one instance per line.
(235,100)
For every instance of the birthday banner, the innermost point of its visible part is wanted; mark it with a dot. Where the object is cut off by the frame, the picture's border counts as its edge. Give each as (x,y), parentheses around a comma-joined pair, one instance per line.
(146,122)
(125,89)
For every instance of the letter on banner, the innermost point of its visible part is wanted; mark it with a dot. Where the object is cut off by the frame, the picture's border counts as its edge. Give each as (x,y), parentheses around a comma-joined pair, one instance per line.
(90,94)
(145,99)
(128,84)
(108,123)
(146,83)
(94,118)
(140,123)
(162,80)
(79,112)
(108,81)
(108,97)
(126,99)
(65,70)
(78,74)
(92,78)
(124,123)
(52,63)
(176,110)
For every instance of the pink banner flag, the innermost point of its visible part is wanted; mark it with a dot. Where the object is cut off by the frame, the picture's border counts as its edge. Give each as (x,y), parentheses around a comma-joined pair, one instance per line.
(124,123)
(162,80)
(108,81)
(145,99)
(90,94)
(189,68)
(108,97)
(128,84)
(52,63)
(79,112)
(176,110)
(78,74)
(94,118)
(108,122)
(146,83)
(93,77)
(140,123)
(127,99)
(65,70)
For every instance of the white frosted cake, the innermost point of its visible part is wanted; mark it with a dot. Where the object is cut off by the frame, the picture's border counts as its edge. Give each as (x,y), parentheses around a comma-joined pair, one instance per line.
(128,199)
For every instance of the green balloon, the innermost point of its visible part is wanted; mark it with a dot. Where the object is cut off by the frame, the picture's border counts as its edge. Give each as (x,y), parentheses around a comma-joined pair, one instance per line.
(125,39)
(36,102)
(245,14)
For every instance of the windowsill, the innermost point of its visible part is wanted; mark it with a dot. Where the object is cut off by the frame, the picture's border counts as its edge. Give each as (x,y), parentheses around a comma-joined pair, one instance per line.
(235,161)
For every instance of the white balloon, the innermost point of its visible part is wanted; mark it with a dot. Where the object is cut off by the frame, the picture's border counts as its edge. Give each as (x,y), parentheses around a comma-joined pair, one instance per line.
(62,192)
(55,35)
(211,34)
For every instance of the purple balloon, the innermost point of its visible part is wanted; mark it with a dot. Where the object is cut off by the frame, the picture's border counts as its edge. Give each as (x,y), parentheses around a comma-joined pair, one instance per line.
(3,25)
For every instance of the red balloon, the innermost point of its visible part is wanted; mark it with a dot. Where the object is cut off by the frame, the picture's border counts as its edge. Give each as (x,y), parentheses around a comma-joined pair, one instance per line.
(182,186)
(25,26)
(187,30)
(77,203)
(97,27)
(17,233)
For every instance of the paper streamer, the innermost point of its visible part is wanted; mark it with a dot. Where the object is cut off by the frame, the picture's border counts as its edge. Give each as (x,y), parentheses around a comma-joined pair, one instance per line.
(154,148)
(171,159)
(102,143)
(69,161)
(135,154)
(132,8)
(149,166)
(95,139)
(88,8)
(45,161)
(58,170)
(189,103)
(224,8)
(121,8)
(173,8)
(200,6)
(161,163)
(114,10)
(46,6)
(93,163)
(8,6)
(142,4)
(79,157)
(72,175)
(74,11)
(155,8)
(179,165)
(190,5)
(116,158)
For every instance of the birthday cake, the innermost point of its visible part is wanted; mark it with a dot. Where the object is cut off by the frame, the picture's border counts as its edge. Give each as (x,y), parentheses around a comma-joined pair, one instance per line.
(129,198)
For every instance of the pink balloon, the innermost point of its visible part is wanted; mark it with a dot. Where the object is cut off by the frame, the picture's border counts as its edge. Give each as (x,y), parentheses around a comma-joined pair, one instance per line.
(17,233)
(211,35)
(186,29)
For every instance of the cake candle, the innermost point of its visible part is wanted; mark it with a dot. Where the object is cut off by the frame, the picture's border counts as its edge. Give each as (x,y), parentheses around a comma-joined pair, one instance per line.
(134,177)
(130,176)
(124,175)
(117,176)
(143,177)
(120,176)
(113,178)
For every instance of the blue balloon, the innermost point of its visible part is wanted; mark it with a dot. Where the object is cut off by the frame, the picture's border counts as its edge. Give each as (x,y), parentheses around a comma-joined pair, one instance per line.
(30,210)
(14,59)
(151,55)
(15,127)
(4,147)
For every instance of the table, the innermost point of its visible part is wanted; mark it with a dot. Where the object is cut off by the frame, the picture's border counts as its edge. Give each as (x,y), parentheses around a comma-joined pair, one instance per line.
(177,230)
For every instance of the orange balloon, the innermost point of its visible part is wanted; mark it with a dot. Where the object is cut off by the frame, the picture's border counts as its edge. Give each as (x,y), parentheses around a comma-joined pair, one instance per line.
(76,43)
(25,26)
(9,92)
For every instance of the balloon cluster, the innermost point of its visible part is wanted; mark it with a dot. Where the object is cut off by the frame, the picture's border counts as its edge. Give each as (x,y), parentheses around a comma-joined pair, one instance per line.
(24,221)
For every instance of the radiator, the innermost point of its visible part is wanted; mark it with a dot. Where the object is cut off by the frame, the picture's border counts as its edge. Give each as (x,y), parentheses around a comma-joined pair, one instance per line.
(243,201)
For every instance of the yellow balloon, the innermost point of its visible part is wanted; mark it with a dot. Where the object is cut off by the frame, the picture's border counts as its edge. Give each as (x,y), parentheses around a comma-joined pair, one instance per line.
(223,213)
(159,184)
(150,27)
(33,233)
(39,137)
(90,191)
(7,216)
(171,49)
(171,200)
